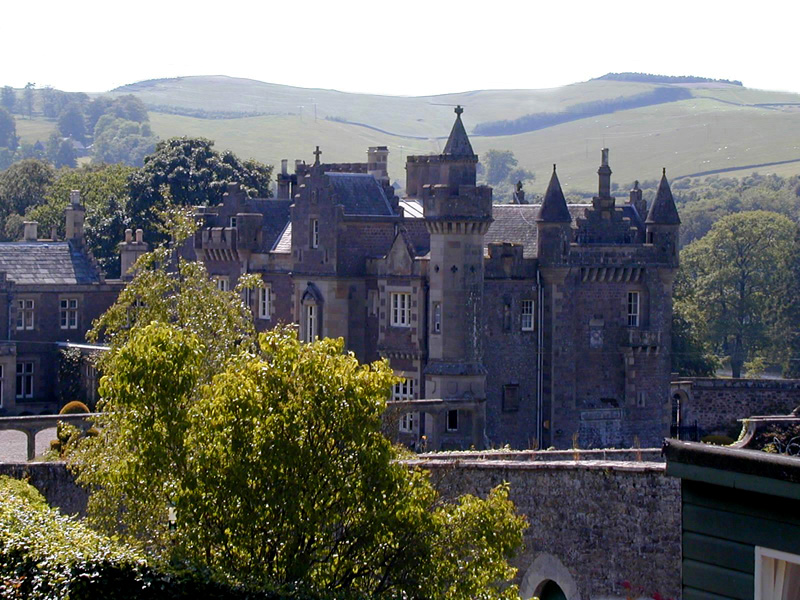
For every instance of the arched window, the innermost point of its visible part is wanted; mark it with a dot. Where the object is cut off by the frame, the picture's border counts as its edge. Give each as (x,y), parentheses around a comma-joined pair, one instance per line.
(311,305)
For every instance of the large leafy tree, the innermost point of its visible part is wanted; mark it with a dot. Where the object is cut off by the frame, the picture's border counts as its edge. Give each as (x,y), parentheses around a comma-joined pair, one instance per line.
(8,98)
(104,193)
(194,174)
(71,122)
(8,130)
(24,184)
(737,276)
(270,453)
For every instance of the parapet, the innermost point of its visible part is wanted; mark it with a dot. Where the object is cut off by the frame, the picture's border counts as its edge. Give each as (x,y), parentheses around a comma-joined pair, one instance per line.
(443,202)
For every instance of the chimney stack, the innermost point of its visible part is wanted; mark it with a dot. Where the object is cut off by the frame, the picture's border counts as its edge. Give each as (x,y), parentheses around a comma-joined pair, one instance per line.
(604,173)
(130,251)
(31,231)
(75,215)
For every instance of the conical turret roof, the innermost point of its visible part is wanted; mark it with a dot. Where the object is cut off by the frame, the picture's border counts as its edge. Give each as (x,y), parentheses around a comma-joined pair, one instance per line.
(554,206)
(458,142)
(663,211)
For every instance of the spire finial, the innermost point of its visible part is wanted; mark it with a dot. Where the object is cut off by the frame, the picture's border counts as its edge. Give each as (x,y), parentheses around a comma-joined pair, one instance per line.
(317,152)
(458,110)
(664,171)
(554,167)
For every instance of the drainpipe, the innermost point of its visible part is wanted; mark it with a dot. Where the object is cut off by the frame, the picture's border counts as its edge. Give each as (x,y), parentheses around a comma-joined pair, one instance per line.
(539,362)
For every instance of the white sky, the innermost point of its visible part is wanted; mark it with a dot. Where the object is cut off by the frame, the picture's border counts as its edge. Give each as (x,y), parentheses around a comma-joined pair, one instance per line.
(405,47)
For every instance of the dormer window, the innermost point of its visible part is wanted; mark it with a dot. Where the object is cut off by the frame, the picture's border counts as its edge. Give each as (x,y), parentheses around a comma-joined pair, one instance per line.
(315,233)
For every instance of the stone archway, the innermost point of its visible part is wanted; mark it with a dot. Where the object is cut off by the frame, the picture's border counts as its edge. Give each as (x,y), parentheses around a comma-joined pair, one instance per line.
(548,575)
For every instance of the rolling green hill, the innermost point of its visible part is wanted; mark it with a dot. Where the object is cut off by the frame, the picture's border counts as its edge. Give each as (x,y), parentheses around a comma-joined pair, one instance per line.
(716,127)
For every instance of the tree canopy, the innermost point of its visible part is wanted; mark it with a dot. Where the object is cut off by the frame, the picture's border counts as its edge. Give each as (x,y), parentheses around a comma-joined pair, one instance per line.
(735,280)
(24,184)
(270,452)
(8,130)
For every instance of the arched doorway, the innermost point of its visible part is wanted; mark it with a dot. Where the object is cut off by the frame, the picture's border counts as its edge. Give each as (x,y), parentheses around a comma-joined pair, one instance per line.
(551,591)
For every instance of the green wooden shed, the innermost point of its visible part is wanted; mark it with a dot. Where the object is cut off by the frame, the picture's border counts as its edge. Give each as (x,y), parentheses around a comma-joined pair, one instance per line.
(740,522)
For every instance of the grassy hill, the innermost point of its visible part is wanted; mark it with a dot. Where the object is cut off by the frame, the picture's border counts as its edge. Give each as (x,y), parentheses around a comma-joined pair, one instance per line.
(716,127)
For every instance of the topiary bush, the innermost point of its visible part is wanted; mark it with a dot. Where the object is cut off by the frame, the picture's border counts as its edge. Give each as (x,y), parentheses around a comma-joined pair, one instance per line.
(76,407)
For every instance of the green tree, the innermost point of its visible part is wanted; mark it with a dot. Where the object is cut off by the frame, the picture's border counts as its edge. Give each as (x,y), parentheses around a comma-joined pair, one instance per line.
(122,141)
(8,130)
(8,98)
(271,454)
(71,122)
(501,170)
(737,275)
(27,99)
(24,184)
(104,193)
(195,174)
(54,102)
(60,151)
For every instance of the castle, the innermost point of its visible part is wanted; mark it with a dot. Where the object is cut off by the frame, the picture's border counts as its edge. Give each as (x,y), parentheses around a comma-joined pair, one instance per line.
(528,325)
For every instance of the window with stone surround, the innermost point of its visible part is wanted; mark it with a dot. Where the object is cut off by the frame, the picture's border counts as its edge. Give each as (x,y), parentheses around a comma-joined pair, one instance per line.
(25,309)
(222,282)
(437,318)
(25,379)
(264,301)
(68,314)
(311,322)
(633,309)
(510,398)
(408,422)
(452,420)
(401,309)
(403,390)
(527,315)
(315,233)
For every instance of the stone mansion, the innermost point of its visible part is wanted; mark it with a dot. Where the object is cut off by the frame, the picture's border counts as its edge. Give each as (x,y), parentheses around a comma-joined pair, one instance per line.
(529,325)
(521,324)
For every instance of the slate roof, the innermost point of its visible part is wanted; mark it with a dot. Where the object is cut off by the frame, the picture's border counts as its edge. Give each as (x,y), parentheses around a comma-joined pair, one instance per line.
(30,263)
(360,194)
(554,206)
(663,210)
(276,216)
(458,142)
(283,245)
(516,223)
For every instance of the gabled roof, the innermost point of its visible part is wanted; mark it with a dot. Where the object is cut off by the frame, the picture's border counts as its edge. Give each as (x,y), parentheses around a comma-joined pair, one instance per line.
(360,194)
(663,211)
(458,143)
(283,245)
(554,206)
(516,223)
(34,263)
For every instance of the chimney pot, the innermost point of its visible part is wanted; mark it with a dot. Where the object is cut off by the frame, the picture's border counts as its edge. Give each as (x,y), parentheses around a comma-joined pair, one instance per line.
(128,235)
(139,236)
(75,197)
(284,166)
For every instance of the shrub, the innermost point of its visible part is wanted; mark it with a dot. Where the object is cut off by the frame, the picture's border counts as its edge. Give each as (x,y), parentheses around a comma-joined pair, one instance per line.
(718,440)
(75,407)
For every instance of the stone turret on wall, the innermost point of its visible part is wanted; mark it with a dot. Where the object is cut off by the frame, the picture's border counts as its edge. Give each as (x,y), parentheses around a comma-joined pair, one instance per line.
(554,226)
(663,223)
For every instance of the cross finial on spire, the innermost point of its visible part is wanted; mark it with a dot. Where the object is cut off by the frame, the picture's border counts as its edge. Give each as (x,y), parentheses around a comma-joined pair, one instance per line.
(664,171)
(317,152)
(554,167)
(458,110)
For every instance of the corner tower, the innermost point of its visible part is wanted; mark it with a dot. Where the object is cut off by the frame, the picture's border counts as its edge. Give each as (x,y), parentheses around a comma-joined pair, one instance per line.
(457,215)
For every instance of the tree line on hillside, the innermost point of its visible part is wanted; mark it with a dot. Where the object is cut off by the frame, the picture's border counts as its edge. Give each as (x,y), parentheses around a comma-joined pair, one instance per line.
(180,172)
(581,110)
(652,78)
(111,130)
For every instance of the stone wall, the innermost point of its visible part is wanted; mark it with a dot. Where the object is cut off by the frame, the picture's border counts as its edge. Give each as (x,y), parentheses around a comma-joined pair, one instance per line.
(54,481)
(594,525)
(716,404)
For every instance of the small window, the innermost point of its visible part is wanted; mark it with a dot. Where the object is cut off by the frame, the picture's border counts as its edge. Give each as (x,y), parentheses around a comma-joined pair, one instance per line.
(315,233)
(401,309)
(232,222)
(403,390)
(25,314)
(264,302)
(510,398)
(641,399)
(312,322)
(223,283)
(507,316)
(452,420)
(69,313)
(2,387)
(408,422)
(527,315)
(777,575)
(25,379)
(437,317)
(633,309)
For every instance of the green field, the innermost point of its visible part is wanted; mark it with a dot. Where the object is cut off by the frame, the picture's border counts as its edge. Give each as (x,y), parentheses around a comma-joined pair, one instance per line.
(722,127)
